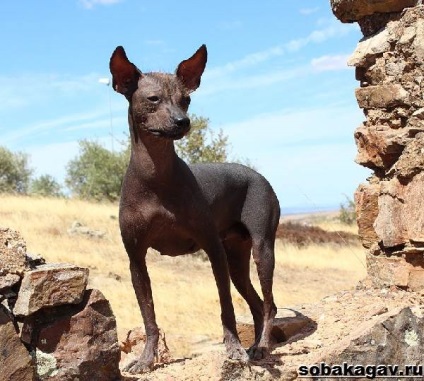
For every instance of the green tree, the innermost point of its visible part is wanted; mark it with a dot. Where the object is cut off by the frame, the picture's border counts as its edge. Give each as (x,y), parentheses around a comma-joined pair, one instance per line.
(347,212)
(96,173)
(202,145)
(15,173)
(46,186)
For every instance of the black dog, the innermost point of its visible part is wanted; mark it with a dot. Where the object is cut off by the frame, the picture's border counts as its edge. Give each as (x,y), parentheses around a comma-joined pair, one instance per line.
(225,209)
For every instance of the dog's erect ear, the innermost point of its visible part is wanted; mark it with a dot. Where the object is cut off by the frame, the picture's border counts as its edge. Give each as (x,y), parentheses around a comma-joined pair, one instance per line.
(189,71)
(125,74)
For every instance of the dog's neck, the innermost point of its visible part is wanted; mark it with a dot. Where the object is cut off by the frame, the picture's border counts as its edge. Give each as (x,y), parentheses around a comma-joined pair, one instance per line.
(152,157)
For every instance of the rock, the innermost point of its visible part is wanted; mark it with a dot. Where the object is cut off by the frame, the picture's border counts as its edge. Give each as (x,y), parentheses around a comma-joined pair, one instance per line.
(77,342)
(12,253)
(50,285)
(400,219)
(374,23)
(388,271)
(381,96)
(395,337)
(389,66)
(368,48)
(379,146)
(287,324)
(78,228)
(366,203)
(411,162)
(354,10)
(9,280)
(16,364)
(132,347)
(34,260)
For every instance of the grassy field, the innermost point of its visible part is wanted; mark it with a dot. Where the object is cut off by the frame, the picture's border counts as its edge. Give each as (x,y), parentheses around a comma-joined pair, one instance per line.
(186,299)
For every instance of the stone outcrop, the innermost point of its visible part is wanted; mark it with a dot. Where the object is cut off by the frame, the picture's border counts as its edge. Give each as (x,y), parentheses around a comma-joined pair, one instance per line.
(389,64)
(51,327)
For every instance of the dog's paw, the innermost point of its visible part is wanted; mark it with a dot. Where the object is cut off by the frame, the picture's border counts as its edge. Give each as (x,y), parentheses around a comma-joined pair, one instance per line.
(138,367)
(257,352)
(235,351)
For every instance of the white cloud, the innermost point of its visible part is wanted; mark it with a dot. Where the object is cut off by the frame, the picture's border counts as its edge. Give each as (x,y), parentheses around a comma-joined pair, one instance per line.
(294,126)
(252,59)
(230,25)
(47,125)
(330,62)
(23,90)
(211,85)
(308,11)
(329,30)
(90,4)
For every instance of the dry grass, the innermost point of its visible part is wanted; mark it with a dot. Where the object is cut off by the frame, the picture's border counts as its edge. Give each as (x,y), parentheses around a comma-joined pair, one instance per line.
(186,299)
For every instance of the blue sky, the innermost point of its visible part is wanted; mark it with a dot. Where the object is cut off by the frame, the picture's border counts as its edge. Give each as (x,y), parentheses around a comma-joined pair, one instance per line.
(276,83)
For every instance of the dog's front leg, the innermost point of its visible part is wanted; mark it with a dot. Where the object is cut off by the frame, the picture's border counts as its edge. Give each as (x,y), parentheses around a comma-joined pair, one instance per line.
(217,257)
(141,283)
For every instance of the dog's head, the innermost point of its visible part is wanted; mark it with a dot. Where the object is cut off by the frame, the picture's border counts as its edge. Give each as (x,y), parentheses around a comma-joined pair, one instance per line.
(158,101)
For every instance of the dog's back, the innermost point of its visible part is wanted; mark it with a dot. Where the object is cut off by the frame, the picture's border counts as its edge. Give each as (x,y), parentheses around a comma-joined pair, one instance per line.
(238,194)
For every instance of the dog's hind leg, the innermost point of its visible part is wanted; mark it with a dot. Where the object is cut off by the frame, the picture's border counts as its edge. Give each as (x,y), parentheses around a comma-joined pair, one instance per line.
(263,255)
(238,249)
(217,256)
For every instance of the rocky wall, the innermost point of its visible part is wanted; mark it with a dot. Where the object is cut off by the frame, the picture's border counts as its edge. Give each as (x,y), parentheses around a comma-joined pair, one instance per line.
(389,64)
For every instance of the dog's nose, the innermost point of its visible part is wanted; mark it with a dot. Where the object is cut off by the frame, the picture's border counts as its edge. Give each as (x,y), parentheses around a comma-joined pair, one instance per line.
(183,122)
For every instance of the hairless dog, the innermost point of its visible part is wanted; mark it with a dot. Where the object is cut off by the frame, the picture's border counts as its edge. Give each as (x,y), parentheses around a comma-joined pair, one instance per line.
(228,210)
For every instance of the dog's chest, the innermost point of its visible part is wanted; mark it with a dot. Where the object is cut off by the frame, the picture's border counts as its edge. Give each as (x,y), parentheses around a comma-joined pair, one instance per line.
(172,234)
(159,227)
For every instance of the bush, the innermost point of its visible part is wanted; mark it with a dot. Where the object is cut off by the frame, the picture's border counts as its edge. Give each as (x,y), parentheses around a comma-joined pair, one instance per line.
(46,186)
(202,145)
(96,173)
(15,173)
(347,212)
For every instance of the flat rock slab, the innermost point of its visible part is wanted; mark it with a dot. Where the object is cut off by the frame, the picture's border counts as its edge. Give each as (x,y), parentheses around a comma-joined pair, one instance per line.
(16,364)
(287,324)
(50,285)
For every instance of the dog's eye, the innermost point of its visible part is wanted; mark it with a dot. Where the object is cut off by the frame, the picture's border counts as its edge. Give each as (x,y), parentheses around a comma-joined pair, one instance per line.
(154,99)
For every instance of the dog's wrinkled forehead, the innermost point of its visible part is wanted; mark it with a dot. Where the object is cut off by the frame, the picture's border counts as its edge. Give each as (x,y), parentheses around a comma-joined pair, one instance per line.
(167,84)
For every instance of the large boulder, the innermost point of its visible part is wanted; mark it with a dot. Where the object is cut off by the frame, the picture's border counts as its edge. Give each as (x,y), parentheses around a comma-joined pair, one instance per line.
(16,364)
(76,342)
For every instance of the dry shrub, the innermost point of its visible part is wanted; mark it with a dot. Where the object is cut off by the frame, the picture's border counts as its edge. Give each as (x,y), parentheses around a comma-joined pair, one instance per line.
(302,235)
